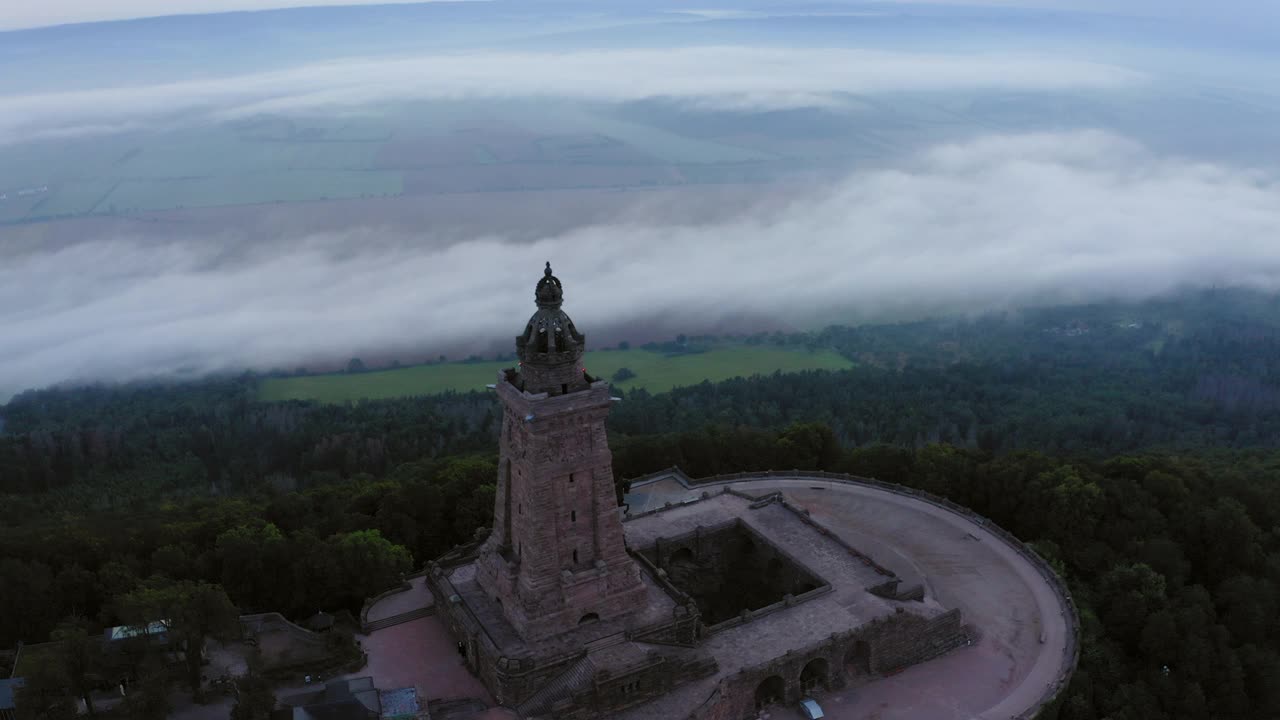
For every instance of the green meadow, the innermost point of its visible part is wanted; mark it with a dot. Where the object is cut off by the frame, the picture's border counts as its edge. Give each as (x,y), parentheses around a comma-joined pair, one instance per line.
(654,371)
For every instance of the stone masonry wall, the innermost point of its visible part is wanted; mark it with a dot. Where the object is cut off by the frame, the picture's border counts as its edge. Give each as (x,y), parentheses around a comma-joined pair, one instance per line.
(884,645)
(557,554)
(729,568)
(511,680)
(610,693)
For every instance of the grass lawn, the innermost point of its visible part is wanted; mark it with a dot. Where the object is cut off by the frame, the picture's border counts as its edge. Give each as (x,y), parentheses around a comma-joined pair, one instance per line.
(655,372)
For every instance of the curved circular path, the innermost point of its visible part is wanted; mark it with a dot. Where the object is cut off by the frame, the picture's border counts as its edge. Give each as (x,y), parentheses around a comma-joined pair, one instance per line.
(1026,628)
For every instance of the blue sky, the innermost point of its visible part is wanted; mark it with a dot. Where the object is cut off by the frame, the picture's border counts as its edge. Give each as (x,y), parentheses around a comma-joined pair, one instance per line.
(15,15)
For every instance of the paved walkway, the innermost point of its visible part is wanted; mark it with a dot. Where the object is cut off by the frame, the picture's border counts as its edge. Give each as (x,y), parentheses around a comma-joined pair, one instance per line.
(417,596)
(419,653)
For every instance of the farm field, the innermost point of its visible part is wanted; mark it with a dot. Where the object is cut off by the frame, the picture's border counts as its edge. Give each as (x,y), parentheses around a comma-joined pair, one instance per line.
(73,198)
(418,149)
(411,149)
(655,372)
(274,186)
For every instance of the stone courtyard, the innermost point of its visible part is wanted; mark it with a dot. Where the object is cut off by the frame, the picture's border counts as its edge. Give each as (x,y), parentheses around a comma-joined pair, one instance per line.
(1027,647)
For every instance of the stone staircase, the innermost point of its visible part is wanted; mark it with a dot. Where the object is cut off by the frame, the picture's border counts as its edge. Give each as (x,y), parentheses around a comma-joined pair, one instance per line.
(403,617)
(575,678)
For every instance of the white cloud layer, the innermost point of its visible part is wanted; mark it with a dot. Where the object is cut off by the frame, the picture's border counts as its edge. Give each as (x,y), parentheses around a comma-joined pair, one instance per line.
(747,77)
(996,222)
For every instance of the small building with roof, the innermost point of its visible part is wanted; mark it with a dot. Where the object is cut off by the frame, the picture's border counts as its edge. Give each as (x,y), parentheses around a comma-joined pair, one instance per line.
(8,697)
(402,704)
(351,699)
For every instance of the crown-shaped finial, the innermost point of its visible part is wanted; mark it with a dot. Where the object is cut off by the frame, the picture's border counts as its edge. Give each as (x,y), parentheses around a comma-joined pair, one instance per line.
(549,291)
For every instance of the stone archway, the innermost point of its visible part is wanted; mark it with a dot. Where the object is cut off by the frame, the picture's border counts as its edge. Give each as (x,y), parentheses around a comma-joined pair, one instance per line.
(815,675)
(771,691)
(683,557)
(682,567)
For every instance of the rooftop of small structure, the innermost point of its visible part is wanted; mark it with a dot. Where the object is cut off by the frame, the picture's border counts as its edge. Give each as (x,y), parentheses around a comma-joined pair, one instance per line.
(8,691)
(399,703)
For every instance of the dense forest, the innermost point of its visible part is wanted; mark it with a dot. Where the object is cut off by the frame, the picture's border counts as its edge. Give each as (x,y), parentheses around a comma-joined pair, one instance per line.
(1198,371)
(1137,447)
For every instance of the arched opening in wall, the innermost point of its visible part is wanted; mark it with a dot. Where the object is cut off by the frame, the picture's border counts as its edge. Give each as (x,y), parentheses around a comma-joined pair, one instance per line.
(858,658)
(770,691)
(816,674)
(683,556)
(588,618)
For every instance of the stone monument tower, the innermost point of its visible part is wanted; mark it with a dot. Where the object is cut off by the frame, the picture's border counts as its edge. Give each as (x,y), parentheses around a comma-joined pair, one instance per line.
(556,558)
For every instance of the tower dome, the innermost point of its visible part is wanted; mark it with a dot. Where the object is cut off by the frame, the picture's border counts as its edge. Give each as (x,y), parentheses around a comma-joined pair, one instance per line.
(550,348)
